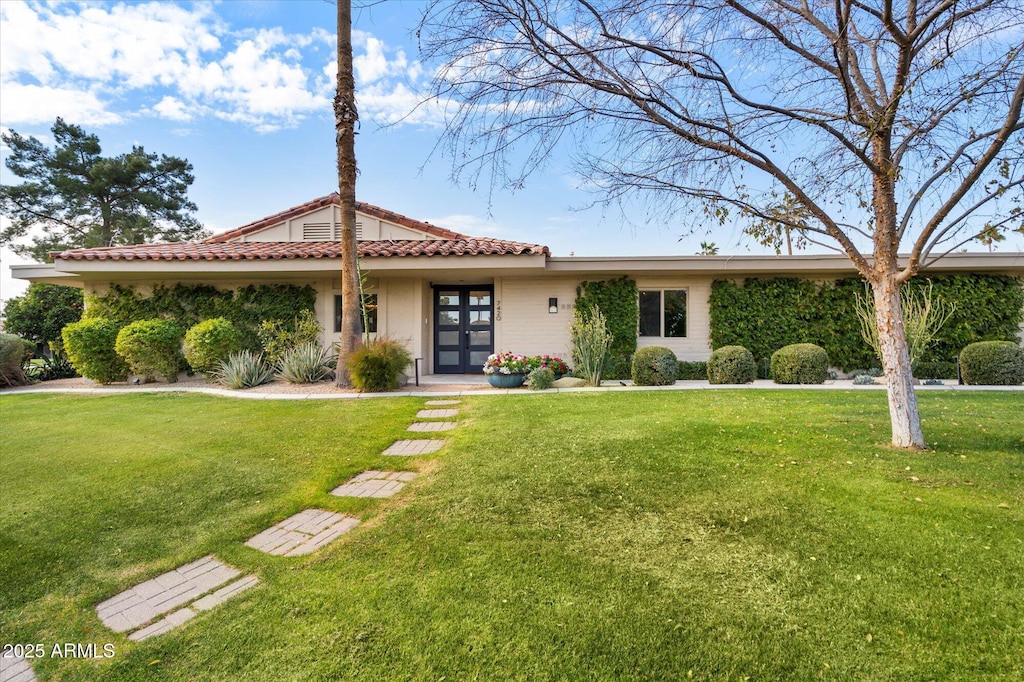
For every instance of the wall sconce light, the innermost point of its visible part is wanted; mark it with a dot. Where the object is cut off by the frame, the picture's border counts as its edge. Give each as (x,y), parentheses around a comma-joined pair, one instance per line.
(552,305)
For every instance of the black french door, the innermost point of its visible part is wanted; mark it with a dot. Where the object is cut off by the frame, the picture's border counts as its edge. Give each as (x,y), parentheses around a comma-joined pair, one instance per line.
(463,328)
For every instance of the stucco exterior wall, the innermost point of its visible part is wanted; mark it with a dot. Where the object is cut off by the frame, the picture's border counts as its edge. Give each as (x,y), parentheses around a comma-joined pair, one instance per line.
(369,228)
(526,326)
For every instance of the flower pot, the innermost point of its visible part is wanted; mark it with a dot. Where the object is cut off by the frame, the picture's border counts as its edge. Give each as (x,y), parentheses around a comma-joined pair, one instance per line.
(506,380)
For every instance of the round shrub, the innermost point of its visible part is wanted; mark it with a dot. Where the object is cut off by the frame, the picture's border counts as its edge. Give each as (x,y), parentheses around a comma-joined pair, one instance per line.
(541,378)
(89,345)
(209,343)
(151,348)
(800,363)
(376,366)
(654,366)
(14,350)
(992,363)
(732,365)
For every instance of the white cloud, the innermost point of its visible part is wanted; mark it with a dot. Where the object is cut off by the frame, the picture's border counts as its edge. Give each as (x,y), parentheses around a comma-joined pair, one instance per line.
(34,104)
(473,225)
(173,109)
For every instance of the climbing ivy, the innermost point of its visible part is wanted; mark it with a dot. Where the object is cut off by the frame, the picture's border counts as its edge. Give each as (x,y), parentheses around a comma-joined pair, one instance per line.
(618,302)
(764,315)
(189,304)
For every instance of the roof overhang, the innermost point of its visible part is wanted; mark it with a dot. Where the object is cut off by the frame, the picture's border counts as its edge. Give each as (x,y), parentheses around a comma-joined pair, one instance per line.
(823,265)
(46,273)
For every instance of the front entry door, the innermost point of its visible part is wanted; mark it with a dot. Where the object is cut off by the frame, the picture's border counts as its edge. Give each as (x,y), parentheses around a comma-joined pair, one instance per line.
(463,328)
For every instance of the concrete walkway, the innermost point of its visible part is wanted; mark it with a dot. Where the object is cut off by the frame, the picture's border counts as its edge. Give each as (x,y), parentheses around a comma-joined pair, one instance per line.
(461,385)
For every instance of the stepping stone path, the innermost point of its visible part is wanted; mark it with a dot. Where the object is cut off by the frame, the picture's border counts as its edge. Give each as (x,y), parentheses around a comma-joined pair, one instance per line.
(16,669)
(432,426)
(303,533)
(165,602)
(134,608)
(374,484)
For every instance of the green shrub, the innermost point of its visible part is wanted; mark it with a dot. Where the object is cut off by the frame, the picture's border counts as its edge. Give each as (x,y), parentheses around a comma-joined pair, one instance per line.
(617,366)
(57,366)
(305,364)
(244,369)
(590,343)
(209,343)
(43,311)
(800,363)
(938,369)
(13,353)
(89,344)
(692,371)
(992,363)
(151,348)
(863,380)
(654,366)
(277,337)
(541,378)
(731,365)
(377,365)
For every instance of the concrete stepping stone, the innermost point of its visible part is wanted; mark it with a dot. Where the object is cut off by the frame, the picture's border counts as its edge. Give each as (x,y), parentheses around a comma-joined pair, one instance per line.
(161,596)
(302,533)
(374,484)
(432,426)
(438,403)
(436,414)
(16,669)
(409,448)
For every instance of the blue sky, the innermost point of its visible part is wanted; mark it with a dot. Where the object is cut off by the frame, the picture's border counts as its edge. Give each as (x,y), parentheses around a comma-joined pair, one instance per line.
(242,89)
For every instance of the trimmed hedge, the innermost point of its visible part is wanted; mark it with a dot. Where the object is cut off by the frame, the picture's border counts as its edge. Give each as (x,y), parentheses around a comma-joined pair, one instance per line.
(692,371)
(938,369)
(731,365)
(151,348)
(800,363)
(654,366)
(209,343)
(992,363)
(89,344)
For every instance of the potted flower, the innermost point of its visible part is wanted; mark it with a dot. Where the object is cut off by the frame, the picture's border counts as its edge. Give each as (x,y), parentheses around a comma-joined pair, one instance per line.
(506,370)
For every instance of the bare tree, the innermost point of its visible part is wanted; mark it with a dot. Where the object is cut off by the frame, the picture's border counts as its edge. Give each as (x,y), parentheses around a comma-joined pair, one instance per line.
(345,119)
(893,126)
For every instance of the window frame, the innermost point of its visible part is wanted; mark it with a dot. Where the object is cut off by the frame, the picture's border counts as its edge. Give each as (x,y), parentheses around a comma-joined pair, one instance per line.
(662,321)
(371,318)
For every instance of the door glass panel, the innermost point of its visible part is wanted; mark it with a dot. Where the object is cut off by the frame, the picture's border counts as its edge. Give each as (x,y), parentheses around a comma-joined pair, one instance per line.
(448,317)
(480,338)
(450,357)
(480,317)
(479,298)
(477,358)
(448,298)
(447,338)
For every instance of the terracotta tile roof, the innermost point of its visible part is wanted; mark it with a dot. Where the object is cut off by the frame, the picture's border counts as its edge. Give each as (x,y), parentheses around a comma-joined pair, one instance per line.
(207,250)
(328,200)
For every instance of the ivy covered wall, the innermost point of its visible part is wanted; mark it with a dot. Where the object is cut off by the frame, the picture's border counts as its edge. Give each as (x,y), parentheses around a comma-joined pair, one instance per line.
(765,314)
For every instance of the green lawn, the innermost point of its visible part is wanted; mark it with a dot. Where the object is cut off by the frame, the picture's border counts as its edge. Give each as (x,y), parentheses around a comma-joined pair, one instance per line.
(655,535)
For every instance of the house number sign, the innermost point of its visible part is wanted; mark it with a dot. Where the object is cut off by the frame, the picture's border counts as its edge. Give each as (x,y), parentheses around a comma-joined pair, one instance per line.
(497,311)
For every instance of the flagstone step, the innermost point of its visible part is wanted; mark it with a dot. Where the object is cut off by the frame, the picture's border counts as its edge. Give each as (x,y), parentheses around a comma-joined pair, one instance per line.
(411,448)
(438,403)
(374,484)
(16,669)
(302,533)
(143,604)
(424,427)
(436,414)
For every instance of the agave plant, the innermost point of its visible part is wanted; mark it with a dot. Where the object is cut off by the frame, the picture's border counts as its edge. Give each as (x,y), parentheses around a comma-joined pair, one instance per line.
(244,369)
(306,363)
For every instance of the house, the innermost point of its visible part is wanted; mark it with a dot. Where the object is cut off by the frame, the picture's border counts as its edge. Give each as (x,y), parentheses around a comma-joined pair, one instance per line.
(452,298)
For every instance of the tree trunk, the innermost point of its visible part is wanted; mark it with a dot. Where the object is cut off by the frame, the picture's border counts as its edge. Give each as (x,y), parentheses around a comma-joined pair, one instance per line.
(345,119)
(892,343)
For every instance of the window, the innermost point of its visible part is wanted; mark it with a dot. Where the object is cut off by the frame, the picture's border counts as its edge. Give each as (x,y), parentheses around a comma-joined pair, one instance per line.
(663,313)
(369,305)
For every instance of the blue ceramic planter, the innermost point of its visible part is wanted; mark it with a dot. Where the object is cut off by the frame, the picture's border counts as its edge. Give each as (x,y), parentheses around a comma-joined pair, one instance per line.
(506,380)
